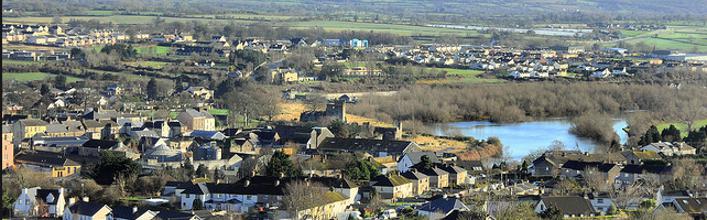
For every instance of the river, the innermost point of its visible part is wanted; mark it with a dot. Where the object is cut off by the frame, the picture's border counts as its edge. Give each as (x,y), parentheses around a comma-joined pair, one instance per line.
(525,137)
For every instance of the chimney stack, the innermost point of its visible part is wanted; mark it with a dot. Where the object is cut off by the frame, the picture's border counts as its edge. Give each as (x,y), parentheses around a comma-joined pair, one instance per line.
(134,209)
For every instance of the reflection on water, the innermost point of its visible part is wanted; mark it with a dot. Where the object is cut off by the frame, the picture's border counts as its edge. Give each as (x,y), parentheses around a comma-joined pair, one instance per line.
(524,137)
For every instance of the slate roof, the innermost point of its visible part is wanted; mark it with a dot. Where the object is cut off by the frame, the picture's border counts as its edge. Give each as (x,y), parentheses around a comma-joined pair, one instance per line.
(453,169)
(86,208)
(195,114)
(569,205)
(43,193)
(100,144)
(579,165)
(433,171)
(639,169)
(367,145)
(126,212)
(33,122)
(444,205)
(208,135)
(692,205)
(262,185)
(416,157)
(44,159)
(414,175)
(173,215)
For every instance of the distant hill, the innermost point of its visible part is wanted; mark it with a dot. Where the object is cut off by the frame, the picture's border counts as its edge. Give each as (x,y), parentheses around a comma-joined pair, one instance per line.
(414,11)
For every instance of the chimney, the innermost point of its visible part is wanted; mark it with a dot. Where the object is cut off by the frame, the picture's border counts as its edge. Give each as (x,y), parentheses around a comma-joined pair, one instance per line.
(444,196)
(134,209)
(246,183)
(282,175)
(277,182)
(85,199)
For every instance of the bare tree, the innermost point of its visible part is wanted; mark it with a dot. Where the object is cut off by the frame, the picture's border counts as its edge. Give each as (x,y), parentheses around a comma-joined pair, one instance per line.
(596,179)
(302,195)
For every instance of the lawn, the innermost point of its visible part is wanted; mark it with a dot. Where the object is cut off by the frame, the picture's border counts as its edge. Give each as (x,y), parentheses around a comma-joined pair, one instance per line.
(682,126)
(459,76)
(32,76)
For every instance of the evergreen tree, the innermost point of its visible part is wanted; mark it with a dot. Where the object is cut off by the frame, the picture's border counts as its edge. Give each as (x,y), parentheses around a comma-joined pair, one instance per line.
(652,135)
(152,92)
(551,213)
(280,163)
(202,171)
(361,170)
(197,205)
(60,82)
(671,134)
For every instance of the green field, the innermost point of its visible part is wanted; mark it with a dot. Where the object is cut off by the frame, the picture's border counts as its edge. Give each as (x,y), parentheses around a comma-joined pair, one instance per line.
(115,19)
(682,126)
(32,76)
(21,62)
(682,38)
(408,30)
(153,50)
(460,76)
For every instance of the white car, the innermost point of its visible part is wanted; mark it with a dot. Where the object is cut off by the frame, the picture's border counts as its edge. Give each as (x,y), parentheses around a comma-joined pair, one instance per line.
(389,214)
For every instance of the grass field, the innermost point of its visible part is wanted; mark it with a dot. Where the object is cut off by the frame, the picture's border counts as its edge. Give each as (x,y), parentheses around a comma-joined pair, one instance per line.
(32,76)
(115,19)
(153,50)
(409,30)
(682,38)
(682,126)
(21,62)
(459,76)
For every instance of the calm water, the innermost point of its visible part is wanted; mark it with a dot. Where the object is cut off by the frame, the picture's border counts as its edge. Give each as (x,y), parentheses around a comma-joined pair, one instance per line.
(525,137)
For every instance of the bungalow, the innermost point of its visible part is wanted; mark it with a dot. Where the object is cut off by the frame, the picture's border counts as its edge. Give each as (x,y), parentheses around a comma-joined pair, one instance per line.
(392,187)
(55,165)
(85,210)
(38,202)
(441,207)
(569,206)
(378,148)
(670,149)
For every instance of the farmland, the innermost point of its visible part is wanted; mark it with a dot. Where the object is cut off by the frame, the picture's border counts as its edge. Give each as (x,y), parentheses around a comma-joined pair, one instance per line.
(32,76)
(460,76)
(683,38)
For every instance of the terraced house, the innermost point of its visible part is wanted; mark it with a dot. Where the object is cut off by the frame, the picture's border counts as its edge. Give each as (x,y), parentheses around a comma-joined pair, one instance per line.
(54,165)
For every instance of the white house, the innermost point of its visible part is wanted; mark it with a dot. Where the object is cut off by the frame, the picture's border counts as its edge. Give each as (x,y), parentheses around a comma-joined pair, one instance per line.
(670,149)
(410,159)
(38,202)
